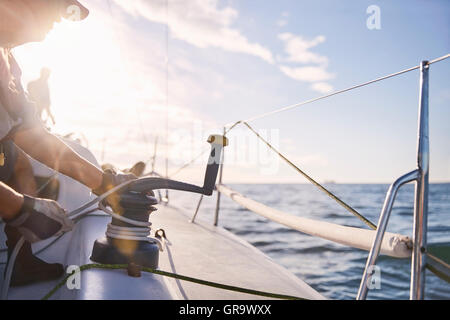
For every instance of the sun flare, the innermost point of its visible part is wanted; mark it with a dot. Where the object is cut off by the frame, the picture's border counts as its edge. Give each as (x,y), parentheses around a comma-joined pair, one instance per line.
(91,77)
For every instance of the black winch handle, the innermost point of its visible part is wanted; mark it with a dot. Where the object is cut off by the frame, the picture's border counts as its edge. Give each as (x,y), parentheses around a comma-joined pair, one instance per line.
(217,143)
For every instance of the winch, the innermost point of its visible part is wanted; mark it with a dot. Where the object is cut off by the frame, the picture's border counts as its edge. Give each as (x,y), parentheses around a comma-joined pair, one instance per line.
(126,239)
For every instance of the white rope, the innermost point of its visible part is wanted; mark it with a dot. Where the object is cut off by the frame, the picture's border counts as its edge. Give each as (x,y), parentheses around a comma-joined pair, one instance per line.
(123,219)
(128,233)
(394,245)
(140,233)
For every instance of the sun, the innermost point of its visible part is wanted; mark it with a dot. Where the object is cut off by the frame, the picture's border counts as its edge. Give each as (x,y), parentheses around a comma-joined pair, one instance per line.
(84,60)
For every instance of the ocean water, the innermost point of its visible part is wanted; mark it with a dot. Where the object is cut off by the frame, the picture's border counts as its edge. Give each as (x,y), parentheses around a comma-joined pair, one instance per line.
(332,269)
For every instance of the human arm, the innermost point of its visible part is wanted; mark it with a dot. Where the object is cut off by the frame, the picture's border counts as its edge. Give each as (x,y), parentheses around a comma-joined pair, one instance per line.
(51,151)
(10,202)
(43,146)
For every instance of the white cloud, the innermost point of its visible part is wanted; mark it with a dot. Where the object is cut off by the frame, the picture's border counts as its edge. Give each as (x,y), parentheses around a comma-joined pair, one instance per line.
(307,74)
(298,49)
(322,87)
(198,22)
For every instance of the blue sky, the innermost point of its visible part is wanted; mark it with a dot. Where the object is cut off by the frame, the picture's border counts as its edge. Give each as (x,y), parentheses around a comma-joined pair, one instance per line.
(231,60)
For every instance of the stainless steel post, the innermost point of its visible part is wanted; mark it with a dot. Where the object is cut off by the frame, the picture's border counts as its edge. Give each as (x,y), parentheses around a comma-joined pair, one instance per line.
(196,210)
(216,215)
(418,262)
(381,229)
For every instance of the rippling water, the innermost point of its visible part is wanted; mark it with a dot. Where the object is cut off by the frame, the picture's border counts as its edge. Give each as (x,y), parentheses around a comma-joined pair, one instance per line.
(332,269)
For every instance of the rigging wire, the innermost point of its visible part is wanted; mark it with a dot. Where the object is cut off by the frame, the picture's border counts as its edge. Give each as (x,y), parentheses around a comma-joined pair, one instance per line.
(187,164)
(296,105)
(167,97)
(119,41)
(230,126)
(153,159)
(322,188)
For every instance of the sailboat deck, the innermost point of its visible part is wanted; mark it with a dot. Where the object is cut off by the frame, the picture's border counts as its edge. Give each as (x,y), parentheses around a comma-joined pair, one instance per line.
(211,253)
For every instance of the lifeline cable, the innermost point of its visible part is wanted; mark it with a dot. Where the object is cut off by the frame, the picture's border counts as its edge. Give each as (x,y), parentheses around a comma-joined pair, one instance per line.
(335,93)
(232,125)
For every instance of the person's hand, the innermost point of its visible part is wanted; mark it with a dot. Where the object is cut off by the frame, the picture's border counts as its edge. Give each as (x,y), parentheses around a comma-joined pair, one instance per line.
(112,179)
(122,197)
(40,219)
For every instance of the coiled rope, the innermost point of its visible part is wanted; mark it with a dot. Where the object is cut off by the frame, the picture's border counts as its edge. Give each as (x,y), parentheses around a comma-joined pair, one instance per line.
(141,231)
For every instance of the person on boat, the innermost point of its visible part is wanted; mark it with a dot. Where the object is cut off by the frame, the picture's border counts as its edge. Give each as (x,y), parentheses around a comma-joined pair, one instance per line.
(35,219)
(39,93)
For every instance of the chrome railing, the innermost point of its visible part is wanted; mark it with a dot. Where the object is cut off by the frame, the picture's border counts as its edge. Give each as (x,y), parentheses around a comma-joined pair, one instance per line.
(420,176)
(421,202)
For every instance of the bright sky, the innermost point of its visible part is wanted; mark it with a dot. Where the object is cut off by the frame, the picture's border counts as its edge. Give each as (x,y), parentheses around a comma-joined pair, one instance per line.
(116,75)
